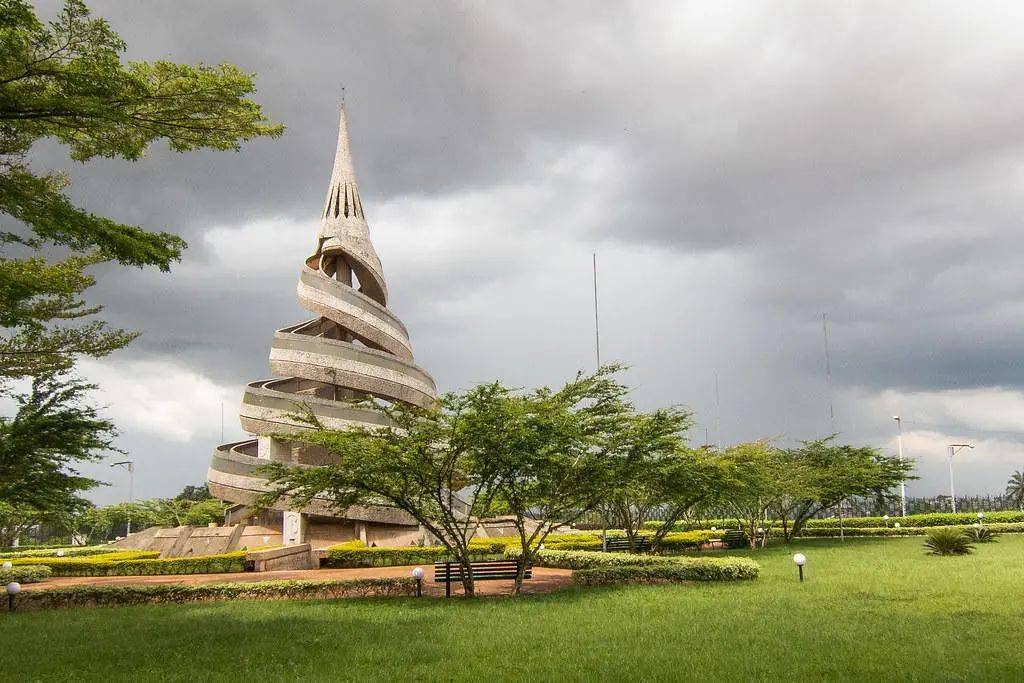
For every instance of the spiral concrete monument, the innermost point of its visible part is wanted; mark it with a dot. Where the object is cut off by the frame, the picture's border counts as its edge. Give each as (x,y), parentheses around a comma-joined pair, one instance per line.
(354,347)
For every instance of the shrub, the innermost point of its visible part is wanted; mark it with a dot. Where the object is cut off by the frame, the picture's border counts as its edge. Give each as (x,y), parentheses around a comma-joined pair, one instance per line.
(340,556)
(692,569)
(142,563)
(81,551)
(981,534)
(947,541)
(100,595)
(695,568)
(25,574)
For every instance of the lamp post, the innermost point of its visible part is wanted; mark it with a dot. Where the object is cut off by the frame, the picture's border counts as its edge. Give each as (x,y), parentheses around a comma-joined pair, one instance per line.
(899,452)
(13,588)
(954,448)
(800,560)
(130,466)
(885,518)
(417,574)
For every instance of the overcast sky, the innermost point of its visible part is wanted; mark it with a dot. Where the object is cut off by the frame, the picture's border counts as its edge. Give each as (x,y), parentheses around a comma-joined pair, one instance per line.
(739,169)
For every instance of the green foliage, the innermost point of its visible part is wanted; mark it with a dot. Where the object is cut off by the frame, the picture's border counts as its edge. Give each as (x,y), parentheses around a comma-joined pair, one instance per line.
(702,569)
(347,555)
(52,432)
(922,520)
(141,563)
(833,532)
(1015,489)
(66,81)
(139,594)
(541,454)
(947,541)
(79,551)
(28,573)
(981,534)
(695,568)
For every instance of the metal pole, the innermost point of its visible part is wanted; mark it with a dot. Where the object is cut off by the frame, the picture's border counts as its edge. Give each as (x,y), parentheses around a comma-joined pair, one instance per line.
(899,450)
(597,324)
(828,374)
(952,492)
(131,495)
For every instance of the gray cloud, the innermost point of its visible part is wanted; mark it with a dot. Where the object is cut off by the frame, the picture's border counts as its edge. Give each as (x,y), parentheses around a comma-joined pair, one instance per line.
(739,169)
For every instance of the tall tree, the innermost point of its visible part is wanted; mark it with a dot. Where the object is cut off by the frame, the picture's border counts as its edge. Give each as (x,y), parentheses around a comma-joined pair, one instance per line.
(820,474)
(1015,489)
(418,463)
(753,476)
(53,431)
(66,81)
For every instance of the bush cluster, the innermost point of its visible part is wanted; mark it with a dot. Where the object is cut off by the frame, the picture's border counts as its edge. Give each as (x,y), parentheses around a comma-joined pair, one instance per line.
(99,595)
(1009,527)
(947,540)
(141,563)
(29,573)
(75,551)
(693,568)
(356,554)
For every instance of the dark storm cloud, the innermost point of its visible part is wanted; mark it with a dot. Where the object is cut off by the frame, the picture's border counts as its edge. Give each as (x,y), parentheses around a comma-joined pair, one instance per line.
(740,168)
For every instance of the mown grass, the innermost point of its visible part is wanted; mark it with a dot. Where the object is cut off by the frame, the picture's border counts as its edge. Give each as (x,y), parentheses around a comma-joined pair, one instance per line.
(871,609)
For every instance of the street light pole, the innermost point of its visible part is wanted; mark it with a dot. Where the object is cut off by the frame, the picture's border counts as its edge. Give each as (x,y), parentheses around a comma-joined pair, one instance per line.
(954,448)
(130,466)
(899,451)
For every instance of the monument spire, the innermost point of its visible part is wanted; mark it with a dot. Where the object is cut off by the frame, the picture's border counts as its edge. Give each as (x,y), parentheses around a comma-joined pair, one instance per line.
(344,235)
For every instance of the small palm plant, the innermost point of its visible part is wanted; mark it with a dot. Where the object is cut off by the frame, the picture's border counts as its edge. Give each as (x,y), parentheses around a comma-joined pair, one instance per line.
(1015,489)
(981,534)
(947,541)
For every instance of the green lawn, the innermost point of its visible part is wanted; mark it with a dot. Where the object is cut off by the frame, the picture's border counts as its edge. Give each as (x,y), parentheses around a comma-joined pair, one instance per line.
(871,609)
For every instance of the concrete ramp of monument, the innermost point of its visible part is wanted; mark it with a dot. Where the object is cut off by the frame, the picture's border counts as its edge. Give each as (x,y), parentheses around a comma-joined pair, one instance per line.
(354,347)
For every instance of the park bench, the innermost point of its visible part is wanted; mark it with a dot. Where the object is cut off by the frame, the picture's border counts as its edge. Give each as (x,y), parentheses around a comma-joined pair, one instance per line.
(735,538)
(487,570)
(619,544)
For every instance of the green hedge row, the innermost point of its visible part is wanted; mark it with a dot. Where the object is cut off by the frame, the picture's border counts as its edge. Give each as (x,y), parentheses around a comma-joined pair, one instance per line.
(107,596)
(343,558)
(1010,528)
(25,574)
(694,568)
(930,519)
(79,551)
(143,563)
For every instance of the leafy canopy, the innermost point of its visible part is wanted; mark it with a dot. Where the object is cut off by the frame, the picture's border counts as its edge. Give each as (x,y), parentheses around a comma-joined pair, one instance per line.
(66,81)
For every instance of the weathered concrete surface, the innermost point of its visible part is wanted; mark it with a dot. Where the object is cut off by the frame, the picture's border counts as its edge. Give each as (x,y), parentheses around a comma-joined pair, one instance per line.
(288,557)
(354,348)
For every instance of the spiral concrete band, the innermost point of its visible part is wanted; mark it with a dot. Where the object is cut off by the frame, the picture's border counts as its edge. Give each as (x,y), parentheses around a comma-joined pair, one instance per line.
(354,347)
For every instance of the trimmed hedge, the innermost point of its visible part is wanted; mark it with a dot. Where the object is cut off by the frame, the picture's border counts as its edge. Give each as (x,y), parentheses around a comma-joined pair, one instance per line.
(109,596)
(690,569)
(80,551)
(143,563)
(931,519)
(349,555)
(1010,528)
(695,568)
(25,574)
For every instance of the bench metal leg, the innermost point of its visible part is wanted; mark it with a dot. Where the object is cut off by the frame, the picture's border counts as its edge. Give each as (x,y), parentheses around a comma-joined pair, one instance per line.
(447,579)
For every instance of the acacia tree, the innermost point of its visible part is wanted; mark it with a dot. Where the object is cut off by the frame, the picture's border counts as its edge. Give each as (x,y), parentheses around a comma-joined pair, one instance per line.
(676,480)
(820,474)
(557,454)
(419,463)
(753,482)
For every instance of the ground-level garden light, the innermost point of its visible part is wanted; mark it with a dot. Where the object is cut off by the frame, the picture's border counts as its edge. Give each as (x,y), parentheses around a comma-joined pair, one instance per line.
(897,525)
(800,559)
(417,574)
(13,588)
(885,518)
(981,516)
(7,564)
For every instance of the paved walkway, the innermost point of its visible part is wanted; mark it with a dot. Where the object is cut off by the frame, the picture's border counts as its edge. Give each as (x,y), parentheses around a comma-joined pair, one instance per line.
(544,579)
